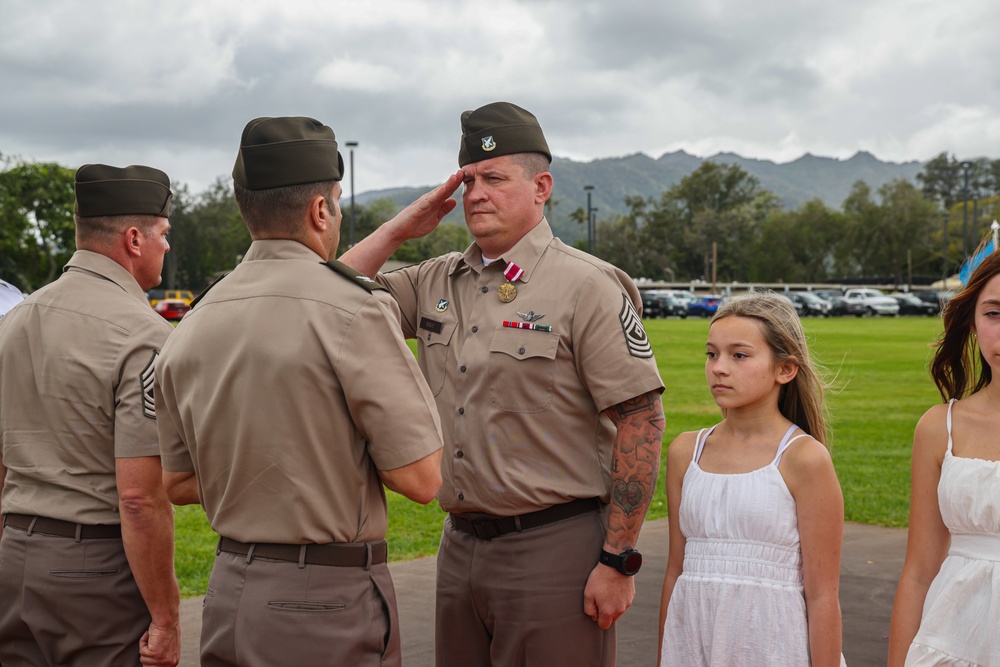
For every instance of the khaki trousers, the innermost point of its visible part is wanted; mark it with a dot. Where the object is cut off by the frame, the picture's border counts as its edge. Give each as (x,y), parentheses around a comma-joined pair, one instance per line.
(517,600)
(267,612)
(64,602)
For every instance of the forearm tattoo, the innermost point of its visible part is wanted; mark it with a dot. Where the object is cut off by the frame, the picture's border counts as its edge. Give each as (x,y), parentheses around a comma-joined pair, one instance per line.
(635,465)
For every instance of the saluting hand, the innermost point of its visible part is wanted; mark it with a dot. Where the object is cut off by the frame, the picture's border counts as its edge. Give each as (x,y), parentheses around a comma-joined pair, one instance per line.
(421,217)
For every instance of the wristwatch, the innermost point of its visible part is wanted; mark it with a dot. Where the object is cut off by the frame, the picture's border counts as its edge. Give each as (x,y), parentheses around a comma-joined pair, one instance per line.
(627,562)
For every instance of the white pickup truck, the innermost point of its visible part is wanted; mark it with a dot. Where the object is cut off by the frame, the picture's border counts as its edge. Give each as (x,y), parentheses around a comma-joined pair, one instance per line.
(874,302)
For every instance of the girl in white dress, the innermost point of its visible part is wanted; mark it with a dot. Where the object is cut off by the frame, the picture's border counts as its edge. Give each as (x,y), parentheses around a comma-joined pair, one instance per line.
(756,511)
(947,609)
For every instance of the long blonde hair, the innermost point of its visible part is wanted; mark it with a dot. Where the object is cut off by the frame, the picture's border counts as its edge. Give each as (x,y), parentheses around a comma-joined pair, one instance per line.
(801,400)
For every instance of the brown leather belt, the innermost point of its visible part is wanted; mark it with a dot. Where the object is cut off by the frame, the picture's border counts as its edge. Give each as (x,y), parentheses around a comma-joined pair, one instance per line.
(59,528)
(490,527)
(362,554)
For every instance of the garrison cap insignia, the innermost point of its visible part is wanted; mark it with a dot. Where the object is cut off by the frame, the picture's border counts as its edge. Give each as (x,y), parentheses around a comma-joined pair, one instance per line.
(530,316)
(441,306)
(488,143)
(635,334)
(146,379)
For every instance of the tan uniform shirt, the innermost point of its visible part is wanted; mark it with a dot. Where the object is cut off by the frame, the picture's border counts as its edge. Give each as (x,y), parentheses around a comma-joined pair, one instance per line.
(76,391)
(520,409)
(283,390)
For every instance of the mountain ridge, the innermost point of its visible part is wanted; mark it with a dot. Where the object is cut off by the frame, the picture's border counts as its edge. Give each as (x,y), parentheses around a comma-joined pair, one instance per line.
(806,178)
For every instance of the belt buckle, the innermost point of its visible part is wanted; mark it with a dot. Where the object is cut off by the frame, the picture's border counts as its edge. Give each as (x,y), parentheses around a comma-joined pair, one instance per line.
(486,529)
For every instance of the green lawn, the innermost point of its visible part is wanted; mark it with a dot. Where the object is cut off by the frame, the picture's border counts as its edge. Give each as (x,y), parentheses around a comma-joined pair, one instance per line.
(881,387)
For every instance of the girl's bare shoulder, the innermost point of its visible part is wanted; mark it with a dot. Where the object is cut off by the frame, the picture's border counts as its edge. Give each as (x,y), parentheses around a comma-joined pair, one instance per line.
(681,449)
(807,454)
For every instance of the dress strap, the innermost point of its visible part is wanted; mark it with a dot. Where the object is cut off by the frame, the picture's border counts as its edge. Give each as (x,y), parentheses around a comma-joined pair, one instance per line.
(699,443)
(785,442)
(948,422)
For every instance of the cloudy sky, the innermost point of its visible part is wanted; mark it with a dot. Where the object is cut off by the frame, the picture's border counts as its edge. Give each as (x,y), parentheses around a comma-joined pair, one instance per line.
(171,84)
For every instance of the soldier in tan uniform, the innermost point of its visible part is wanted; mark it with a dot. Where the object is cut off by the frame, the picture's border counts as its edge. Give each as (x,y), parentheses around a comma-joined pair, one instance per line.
(550,406)
(86,557)
(289,398)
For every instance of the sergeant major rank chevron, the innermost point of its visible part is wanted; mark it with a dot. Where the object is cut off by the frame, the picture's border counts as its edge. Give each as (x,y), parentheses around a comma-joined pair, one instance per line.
(635,334)
(146,378)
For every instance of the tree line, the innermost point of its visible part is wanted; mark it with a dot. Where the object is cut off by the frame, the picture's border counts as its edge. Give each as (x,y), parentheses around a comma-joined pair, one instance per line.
(897,234)
(889,235)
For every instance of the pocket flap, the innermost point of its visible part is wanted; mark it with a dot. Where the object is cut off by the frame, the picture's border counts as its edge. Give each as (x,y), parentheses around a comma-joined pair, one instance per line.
(525,343)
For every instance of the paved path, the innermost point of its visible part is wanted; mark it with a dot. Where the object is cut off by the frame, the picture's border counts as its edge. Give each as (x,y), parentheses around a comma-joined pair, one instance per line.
(872,560)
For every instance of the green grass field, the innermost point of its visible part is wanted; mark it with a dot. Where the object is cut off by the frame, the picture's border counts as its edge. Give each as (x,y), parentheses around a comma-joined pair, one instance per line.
(881,387)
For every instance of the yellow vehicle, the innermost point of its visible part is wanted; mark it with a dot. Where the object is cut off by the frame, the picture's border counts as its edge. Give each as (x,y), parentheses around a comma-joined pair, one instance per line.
(156,295)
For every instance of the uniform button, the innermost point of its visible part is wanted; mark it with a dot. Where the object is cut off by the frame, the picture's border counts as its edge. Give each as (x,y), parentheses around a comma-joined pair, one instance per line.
(461,496)
(485,290)
(475,329)
(459,454)
(462,368)
(520,350)
(461,411)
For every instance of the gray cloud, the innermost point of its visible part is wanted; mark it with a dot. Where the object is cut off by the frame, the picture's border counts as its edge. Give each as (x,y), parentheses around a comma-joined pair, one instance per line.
(173,84)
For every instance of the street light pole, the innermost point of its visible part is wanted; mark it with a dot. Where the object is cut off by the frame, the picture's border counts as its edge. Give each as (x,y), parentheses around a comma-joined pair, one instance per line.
(590,220)
(593,226)
(965,208)
(352,145)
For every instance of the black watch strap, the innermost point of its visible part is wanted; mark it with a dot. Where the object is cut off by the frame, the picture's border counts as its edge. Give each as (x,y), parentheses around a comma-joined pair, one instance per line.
(627,562)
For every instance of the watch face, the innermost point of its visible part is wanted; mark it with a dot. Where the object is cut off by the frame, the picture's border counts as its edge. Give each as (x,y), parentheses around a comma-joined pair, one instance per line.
(631,562)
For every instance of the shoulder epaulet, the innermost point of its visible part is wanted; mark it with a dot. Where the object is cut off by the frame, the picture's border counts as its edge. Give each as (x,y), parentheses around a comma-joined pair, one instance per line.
(359,279)
(201,295)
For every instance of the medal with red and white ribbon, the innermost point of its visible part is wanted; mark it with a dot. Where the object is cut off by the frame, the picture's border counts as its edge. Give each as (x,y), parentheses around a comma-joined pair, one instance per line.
(507,292)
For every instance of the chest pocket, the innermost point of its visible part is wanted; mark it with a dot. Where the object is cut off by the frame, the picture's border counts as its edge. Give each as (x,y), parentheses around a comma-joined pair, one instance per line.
(522,369)
(434,335)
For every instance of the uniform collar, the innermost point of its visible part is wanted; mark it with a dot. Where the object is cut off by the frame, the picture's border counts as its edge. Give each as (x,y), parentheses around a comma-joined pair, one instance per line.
(280,249)
(107,268)
(526,253)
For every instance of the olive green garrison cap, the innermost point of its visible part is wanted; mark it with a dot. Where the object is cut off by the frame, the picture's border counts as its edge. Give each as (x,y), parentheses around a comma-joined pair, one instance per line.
(134,190)
(500,128)
(278,152)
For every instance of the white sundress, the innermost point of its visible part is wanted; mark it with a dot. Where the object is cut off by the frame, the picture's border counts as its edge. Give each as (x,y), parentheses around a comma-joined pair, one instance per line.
(739,600)
(960,625)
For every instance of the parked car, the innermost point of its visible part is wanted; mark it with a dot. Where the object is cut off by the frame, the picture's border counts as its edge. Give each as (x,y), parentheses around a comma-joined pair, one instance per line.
(911,305)
(838,306)
(797,305)
(661,303)
(873,301)
(673,306)
(682,295)
(154,296)
(172,309)
(937,298)
(704,305)
(811,304)
(650,303)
